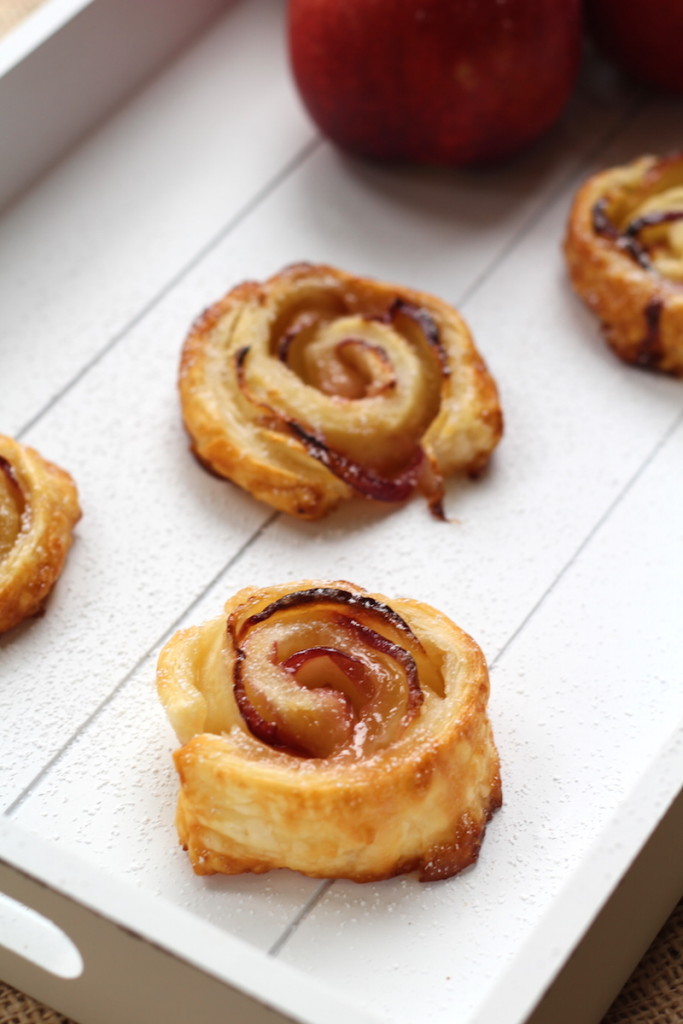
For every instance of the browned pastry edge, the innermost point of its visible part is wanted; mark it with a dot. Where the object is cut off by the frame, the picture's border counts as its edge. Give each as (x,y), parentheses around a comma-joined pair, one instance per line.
(459,850)
(32,566)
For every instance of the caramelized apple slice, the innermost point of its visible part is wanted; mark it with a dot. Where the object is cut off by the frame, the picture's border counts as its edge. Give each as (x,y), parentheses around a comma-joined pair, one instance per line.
(11,508)
(310,674)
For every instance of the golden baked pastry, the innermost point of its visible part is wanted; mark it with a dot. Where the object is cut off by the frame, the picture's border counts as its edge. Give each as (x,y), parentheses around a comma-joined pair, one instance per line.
(624,249)
(316,386)
(330,731)
(38,510)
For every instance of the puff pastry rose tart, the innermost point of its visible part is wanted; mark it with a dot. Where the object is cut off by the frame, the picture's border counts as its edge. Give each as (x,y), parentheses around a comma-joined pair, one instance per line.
(330,731)
(624,248)
(38,511)
(317,386)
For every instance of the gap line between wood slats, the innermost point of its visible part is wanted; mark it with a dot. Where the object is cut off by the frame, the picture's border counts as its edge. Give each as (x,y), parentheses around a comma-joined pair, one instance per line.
(310,904)
(597,526)
(168,632)
(259,197)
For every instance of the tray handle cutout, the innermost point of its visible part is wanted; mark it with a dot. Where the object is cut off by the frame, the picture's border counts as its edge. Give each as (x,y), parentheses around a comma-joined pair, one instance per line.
(93,969)
(36,938)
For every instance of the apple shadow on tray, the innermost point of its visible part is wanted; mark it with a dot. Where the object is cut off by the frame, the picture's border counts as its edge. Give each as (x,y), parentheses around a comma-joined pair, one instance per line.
(427,227)
(457,196)
(480,193)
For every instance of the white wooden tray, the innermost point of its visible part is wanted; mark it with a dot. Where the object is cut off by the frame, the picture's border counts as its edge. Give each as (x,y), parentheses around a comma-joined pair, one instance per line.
(566,565)
(70,62)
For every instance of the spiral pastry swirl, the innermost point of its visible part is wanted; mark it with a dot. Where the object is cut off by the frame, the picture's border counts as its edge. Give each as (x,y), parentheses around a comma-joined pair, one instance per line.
(38,511)
(330,731)
(317,386)
(624,249)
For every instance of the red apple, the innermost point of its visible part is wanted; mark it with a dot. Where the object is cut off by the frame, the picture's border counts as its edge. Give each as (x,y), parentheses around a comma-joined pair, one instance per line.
(434,81)
(644,38)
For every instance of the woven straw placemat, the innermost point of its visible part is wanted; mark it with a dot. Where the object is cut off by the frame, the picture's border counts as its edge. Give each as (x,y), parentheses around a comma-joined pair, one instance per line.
(652,995)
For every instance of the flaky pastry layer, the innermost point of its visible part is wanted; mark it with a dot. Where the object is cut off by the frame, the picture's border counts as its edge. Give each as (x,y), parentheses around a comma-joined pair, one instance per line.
(331,731)
(317,386)
(38,511)
(624,250)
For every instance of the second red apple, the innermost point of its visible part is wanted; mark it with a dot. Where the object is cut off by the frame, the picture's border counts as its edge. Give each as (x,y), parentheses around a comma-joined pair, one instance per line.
(434,81)
(644,39)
